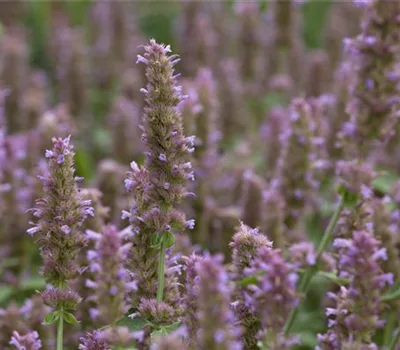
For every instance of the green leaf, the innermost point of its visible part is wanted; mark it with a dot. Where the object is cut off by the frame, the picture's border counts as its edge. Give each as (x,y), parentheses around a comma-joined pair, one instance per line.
(273,99)
(156,241)
(248,280)
(33,284)
(384,181)
(392,294)
(135,324)
(350,199)
(84,163)
(70,318)
(261,345)
(332,277)
(165,330)
(169,239)
(51,318)
(5,293)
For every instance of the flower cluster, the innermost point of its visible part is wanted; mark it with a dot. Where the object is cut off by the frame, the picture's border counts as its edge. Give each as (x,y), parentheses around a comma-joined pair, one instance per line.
(273,296)
(29,341)
(245,244)
(159,186)
(214,317)
(111,282)
(358,312)
(60,215)
(294,178)
(374,54)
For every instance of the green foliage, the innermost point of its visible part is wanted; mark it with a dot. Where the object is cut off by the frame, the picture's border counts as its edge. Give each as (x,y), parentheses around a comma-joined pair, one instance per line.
(165,330)
(51,318)
(69,318)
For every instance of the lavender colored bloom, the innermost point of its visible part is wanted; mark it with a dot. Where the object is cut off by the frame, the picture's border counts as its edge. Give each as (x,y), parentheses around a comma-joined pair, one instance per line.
(35,99)
(154,207)
(251,25)
(273,296)
(199,41)
(207,133)
(112,29)
(118,337)
(30,341)
(110,181)
(97,222)
(158,313)
(284,21)
(91,341)
(123,123)
(189,301)
(245,245)
(373,104)
(190,107)
(356,176)
(358,309)
(67,299)
(206,152)
(59,216)
(34,311)
(231,94)
(293,176)
(385,229)
(272,220)
(215,319)
(273,126)
(13,72)
(70,59)
(252,198)
(111,281)
(11,319)
(303,254)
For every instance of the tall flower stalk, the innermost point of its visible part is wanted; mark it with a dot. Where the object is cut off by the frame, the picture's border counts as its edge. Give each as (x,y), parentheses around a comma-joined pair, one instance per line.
(159,186)
(60,215)
(374,90)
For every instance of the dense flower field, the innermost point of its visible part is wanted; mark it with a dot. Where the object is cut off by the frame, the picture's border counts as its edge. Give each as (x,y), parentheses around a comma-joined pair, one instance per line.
(231,184)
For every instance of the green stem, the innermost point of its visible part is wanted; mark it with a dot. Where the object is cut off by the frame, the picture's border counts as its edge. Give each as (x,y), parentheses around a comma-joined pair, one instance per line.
(395,340)
(60,330)
(161,272)
(305,280)
(390,324)
(60,325)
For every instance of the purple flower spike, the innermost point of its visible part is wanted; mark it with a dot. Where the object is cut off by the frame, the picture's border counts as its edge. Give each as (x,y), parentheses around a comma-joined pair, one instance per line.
(210,319)
(60,236)
(112,282)
(358,311)
(273,296)
(159,186)
(373,90)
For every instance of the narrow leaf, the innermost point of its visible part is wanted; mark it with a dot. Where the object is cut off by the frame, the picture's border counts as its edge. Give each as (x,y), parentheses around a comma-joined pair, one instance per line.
(51,318)
(70,318)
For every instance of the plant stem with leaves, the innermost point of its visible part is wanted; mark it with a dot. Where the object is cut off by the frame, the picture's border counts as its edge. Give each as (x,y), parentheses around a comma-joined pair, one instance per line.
(305,280)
